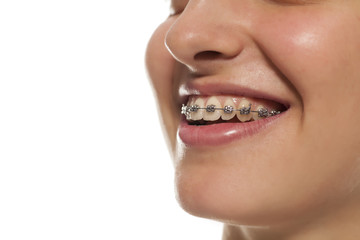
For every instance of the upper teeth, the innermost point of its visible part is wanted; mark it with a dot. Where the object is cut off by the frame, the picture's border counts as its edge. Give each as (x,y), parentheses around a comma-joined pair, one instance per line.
(212,111)
(228,109)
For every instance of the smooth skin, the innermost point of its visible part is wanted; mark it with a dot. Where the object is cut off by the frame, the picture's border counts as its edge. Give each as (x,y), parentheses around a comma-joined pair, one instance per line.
(300,180)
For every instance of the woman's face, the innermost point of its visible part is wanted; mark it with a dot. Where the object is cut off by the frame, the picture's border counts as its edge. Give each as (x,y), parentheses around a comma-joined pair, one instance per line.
(296,56)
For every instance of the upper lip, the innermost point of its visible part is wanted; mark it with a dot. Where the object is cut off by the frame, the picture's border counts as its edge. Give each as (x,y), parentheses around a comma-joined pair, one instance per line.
(213,88)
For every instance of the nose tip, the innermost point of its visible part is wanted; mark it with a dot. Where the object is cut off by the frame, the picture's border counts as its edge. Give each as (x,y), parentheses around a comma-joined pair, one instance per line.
(194,39)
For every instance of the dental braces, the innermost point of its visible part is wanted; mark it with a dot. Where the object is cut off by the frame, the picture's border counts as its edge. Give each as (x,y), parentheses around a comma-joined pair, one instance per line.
(262,112)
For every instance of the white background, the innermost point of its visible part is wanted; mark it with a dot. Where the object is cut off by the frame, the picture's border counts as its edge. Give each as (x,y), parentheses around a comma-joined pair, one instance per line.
(81,150)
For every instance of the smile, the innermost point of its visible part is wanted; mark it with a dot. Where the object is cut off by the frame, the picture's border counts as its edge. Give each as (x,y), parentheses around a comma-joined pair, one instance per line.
(213,110)
(214,120)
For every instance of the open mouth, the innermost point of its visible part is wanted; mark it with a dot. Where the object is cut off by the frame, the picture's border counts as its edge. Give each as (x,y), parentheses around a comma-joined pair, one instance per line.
(210,110)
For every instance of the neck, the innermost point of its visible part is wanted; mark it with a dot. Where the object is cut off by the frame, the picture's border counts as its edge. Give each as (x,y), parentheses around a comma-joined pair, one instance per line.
(340,223)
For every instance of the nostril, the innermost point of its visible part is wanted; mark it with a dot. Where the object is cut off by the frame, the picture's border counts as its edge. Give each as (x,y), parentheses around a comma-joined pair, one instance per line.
(208,55)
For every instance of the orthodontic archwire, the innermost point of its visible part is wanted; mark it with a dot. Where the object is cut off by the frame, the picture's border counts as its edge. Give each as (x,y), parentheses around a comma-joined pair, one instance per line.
(262,112)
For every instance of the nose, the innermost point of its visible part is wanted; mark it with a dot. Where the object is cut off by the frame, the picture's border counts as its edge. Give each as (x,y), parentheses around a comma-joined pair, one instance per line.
(205,31)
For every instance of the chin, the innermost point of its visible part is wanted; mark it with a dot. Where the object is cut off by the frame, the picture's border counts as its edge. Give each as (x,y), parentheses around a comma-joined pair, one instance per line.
(215,188)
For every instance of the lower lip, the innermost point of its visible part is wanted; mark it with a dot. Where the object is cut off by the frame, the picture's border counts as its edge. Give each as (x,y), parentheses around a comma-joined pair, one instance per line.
(222,133)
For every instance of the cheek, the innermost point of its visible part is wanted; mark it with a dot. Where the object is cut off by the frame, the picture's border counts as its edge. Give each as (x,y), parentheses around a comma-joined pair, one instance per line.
(320,56)
(160,66)
(319,52)
(314,50)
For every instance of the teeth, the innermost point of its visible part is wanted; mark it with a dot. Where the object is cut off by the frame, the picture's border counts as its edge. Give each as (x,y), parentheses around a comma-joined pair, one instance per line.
(224,107)
(244,115)
(199,113)
(229,110)
(260,112)
(211,114)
